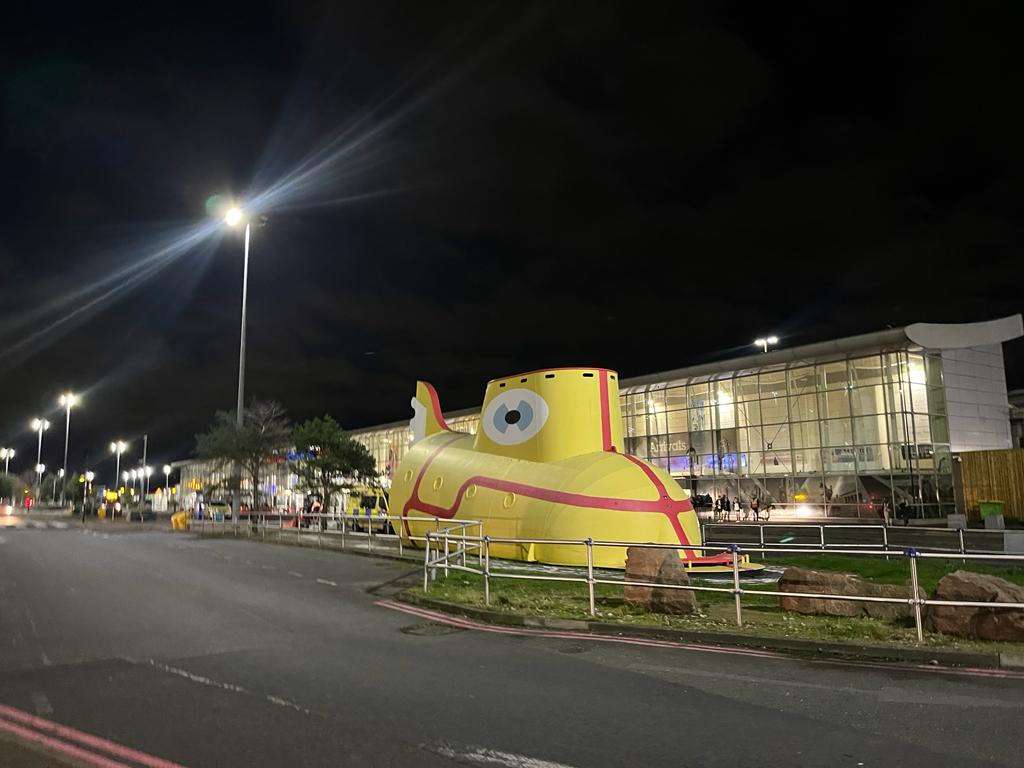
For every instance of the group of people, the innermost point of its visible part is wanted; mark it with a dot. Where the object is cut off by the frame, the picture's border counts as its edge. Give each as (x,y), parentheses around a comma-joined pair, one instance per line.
(723,509)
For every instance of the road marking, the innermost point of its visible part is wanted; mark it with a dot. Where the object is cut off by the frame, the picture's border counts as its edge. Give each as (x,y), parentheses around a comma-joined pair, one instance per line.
(325,581)
(484,756)
(58,525)
(268,567)
(41,703)
(41,731)
(296,574)
(35,634)
(225,686)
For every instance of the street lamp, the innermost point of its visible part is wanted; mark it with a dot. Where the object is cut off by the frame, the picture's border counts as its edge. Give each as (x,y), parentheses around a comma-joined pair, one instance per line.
(7,454)
(118,447)
(167,480)
(40,426)
(89,477)
(68,399)
(59,475)
(766,342)
(145,471)
(233,217)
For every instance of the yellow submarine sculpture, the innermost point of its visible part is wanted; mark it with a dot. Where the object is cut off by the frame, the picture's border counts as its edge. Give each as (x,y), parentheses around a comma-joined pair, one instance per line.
(546,463)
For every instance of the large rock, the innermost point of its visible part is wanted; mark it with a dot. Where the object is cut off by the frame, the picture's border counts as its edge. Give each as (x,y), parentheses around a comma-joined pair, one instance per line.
(1006,624)
(658,566)
(796,579)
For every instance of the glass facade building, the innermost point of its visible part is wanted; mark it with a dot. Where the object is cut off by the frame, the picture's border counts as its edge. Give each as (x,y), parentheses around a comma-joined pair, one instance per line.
(839,428)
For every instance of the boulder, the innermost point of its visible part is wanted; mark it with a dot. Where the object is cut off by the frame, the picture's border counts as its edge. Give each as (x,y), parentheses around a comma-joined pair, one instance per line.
(1005,624)
(658,566)
(796,579)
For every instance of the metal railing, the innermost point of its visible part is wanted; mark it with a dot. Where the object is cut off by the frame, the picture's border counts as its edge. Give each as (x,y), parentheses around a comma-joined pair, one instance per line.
(442,560)
(773,535)
(327,529)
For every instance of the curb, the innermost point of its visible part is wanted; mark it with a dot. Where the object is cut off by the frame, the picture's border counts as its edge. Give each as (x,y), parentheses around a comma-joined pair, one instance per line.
(793,646)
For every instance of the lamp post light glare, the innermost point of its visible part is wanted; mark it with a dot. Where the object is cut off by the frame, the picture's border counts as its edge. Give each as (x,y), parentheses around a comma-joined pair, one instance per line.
(68,400)
(7,454)
(767,341)
(167,481)
(89,477)
(39,426)
(118,447)
(233,217)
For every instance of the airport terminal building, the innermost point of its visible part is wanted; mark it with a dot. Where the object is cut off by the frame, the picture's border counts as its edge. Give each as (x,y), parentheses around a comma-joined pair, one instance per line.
(838,428)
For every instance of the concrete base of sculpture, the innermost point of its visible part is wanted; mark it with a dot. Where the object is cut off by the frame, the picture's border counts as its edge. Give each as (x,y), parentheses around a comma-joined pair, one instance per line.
(658,566)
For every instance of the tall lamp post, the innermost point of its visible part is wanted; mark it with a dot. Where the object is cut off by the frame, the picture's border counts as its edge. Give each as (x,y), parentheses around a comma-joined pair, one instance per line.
(766,341)
(7,454)
(68,399)
(89,477)
(233,217)
(118,447)
(39,426)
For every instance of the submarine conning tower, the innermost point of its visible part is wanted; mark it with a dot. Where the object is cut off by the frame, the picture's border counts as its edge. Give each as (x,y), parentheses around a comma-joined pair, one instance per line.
(551,414)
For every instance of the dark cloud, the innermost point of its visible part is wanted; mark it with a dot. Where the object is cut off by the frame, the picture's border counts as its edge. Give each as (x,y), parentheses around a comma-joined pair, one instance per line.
(640,185)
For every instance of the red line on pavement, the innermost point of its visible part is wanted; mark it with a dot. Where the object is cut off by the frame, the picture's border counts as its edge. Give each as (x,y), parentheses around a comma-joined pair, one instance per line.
(61,747)
(86,739)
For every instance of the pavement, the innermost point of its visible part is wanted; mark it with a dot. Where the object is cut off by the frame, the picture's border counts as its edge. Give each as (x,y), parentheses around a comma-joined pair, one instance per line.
(147,648)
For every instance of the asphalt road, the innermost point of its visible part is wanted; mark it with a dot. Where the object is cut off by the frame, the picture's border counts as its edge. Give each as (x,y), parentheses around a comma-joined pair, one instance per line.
(234,653)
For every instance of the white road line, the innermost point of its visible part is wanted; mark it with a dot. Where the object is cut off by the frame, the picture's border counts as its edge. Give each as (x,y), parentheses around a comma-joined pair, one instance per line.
(325,581)
(42,704)
(268,567)
(484,756)
(58,525)
(296,574)
(225,686)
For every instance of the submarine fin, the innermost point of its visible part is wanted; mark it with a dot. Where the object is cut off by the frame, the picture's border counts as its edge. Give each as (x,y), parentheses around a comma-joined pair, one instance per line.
(426,417)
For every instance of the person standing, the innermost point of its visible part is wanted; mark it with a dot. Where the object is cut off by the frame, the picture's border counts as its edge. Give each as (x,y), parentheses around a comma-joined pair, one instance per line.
(737,508)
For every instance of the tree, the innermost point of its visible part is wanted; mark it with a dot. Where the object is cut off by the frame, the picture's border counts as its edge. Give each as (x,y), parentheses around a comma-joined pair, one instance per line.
(328,460)
(264,431)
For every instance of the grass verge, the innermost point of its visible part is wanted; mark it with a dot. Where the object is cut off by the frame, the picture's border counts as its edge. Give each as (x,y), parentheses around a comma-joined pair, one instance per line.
(761,615)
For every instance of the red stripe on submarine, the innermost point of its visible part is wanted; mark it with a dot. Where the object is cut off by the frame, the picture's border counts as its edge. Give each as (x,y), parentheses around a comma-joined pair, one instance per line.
(546,463)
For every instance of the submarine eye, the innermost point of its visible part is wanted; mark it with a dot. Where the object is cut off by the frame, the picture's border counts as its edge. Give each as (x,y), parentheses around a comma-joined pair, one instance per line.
(514,416)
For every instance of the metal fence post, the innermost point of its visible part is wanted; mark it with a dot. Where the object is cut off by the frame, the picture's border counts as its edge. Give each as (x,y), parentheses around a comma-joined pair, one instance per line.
(426,561)
(263,527)
(735,550)
(480,552)
(298,529)
(821,530)
(885,540)
(399,532)
(487,570)
(344,525)
(590,573)
(960,535)
(760,529)
(369,533)
(446,554)
(319,531)
(916,600)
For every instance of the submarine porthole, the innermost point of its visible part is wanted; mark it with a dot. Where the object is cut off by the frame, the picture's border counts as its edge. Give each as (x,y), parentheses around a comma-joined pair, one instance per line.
(438,482)
(509,500)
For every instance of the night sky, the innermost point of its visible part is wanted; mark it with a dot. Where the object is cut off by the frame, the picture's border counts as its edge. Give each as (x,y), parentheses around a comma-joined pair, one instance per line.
(463,190)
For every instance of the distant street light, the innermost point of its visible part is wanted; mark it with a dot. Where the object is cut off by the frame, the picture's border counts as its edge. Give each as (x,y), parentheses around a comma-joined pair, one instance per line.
(766,342)
(118,447)
(7,454)
(40,426)
(68,399)
(89,477)
(167,480)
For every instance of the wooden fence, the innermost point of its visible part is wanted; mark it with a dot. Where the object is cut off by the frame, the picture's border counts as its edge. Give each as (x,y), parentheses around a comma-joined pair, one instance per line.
(994,476)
